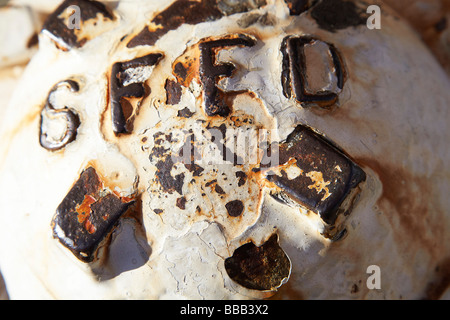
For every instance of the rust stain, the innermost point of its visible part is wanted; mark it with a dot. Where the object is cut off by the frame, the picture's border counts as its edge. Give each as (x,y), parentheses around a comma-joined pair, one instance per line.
(9,136)
(32,116)
(199,63)
(87,214)
(84,211)
(406,202)
(187,66)
(107,182)
(441,281)
(84,208)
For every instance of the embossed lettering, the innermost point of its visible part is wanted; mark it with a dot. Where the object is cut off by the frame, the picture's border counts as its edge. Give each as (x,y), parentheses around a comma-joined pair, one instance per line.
(87,214)
(210,72)
(312,71)
(126,81)
(52,120)
(317,176)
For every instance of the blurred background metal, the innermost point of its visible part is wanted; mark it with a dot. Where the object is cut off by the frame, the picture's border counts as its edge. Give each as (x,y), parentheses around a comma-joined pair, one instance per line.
(3,292)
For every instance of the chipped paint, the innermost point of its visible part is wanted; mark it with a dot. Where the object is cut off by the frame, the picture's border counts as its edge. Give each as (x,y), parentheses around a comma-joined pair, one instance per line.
(91,14)
(340,198)
(319,184)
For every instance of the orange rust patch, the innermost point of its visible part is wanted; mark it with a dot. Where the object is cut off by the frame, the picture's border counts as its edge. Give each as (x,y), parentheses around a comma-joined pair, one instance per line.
(84,211)
(187,66)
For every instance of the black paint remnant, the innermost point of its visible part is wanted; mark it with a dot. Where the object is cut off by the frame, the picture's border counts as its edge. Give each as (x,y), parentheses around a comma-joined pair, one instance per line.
(333,15)
(259,268)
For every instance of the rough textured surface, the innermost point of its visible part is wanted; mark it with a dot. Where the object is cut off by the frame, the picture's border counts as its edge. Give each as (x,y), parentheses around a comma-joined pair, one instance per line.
(87,214)
(207,222)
